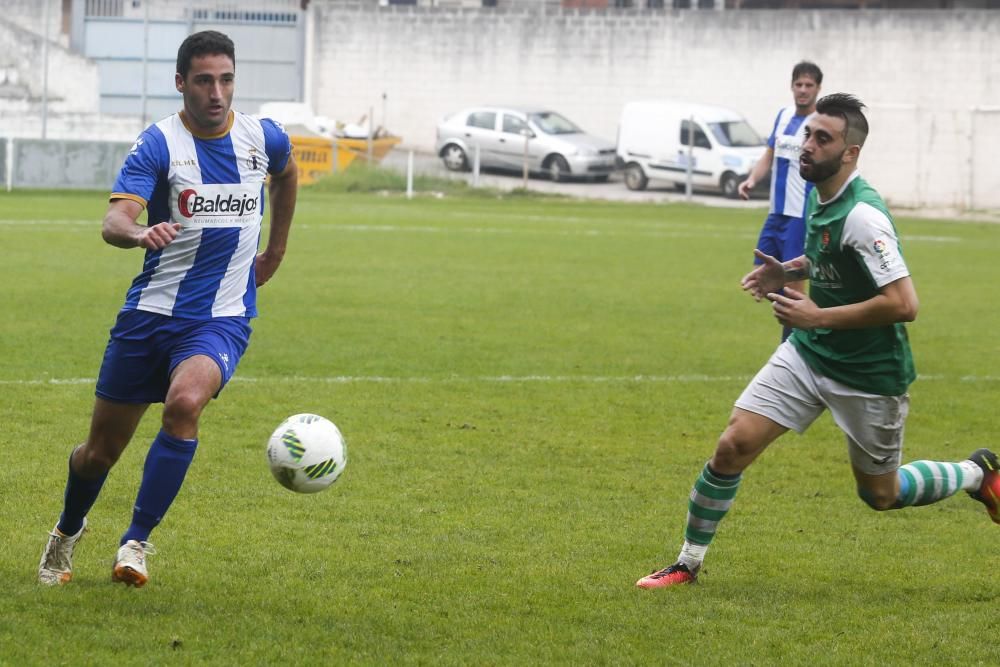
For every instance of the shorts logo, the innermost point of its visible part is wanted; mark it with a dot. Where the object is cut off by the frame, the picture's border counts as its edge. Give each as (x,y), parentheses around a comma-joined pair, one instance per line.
(225,359)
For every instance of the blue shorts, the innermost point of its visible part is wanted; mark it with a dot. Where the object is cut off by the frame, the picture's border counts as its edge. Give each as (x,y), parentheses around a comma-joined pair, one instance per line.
(782,237)
(145,348)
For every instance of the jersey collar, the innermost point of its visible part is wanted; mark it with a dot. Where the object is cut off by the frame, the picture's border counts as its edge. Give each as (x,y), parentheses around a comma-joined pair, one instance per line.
(202,135)
(854,174)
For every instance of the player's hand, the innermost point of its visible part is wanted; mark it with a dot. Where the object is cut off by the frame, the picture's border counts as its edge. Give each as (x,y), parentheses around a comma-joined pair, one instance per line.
(265,266)
(795,309)
(158,236)
(744,188)
(765,278)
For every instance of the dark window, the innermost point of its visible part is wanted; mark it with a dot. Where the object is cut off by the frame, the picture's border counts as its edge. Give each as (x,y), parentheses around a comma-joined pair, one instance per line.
(700,140)
(402,2)
(484,119)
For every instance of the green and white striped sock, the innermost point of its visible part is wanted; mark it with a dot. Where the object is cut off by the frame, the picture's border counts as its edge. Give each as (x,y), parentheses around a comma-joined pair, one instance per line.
(926,482)
(710,499)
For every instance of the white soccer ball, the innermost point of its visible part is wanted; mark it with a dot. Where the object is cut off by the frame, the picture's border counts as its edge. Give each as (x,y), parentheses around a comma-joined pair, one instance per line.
(306,453)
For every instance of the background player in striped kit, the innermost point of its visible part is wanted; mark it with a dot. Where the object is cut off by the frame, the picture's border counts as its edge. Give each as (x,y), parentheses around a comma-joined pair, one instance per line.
(848,354)
(200,175)
(783,233)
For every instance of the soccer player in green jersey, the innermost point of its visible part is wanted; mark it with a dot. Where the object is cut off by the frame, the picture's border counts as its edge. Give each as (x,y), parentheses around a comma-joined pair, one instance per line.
(848,353)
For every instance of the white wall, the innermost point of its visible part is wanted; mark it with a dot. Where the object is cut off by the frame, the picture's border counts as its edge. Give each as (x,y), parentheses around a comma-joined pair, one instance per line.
(919,71)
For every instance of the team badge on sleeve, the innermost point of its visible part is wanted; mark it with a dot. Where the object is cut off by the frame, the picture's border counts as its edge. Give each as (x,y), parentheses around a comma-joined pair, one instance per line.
(883,252)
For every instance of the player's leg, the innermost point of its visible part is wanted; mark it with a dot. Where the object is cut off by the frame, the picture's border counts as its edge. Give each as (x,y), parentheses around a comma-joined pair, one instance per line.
(874,427)
(780,397)
(193,384)
(203,361)
(111,428)
(793,244)
(770,240)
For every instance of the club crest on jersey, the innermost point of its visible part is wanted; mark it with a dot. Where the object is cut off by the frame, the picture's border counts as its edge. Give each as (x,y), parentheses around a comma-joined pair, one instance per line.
(253,162)
(824,239)
(191,204)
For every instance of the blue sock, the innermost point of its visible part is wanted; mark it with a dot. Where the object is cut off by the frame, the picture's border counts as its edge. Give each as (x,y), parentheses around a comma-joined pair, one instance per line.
(78,499)
(162,475)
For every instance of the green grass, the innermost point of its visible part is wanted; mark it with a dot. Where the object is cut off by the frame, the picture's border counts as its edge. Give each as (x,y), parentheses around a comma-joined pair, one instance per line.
(529,387)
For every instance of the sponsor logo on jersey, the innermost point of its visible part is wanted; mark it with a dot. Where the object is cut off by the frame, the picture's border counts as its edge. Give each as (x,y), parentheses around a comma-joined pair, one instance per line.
(825,275)
(191,204)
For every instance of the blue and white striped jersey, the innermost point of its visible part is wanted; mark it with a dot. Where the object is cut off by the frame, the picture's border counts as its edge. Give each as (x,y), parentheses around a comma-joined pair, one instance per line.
(214,187)
(789,191)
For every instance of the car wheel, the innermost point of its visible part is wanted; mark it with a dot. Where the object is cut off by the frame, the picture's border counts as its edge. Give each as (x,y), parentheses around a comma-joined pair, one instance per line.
(558,168)
(730,185)
(635,178)
(454,158)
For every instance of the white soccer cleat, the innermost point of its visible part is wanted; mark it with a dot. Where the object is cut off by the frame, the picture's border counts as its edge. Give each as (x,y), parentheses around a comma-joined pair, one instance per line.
(56,566)
(130,563)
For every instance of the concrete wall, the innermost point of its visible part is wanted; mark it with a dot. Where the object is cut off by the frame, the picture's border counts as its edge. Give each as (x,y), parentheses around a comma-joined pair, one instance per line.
(73,91)
(89,165)
(920,72)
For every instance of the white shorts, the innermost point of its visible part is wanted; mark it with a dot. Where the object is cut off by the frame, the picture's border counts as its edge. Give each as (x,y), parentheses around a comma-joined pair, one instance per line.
(790,393)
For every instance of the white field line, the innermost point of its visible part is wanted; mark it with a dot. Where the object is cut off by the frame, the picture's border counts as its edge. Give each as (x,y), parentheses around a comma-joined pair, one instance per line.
(487,379)
(666,230)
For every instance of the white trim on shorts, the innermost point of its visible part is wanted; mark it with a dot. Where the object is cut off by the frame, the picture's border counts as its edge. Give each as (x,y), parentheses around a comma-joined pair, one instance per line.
(790,393)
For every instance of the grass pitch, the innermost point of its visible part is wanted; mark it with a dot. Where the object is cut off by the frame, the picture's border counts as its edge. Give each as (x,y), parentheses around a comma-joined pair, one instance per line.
(529,387)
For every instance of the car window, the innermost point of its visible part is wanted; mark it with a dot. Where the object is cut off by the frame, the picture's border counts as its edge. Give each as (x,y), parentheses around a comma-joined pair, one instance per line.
(735,133)
(550,122)
(700,140)
(513,124)
(484,119)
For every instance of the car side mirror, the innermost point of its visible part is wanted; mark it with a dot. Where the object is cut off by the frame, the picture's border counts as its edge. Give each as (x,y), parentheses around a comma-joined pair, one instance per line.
(527,133)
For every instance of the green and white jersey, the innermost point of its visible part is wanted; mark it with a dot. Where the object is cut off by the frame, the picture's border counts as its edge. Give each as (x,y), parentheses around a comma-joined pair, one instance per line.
(853,252)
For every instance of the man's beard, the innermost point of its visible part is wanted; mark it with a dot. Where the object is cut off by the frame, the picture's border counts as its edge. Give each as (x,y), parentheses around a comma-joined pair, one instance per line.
(817,172)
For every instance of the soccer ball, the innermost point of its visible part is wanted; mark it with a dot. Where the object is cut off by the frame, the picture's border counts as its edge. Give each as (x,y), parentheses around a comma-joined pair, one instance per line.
(306,453)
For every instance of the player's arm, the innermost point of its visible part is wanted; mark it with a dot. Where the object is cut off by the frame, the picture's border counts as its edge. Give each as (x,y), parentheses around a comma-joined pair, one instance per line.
(870,233)
(283,191)
(121,229)
(895,302)
(757,173)
(772,275)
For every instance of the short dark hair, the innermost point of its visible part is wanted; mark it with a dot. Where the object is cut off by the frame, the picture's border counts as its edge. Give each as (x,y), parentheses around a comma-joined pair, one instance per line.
(204,43)
(806,68)
(849,108)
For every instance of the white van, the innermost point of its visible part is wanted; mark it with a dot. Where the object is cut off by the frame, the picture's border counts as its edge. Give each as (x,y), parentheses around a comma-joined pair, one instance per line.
(653,145)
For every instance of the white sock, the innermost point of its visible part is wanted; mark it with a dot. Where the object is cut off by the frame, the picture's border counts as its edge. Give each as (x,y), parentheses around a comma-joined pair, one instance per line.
(692,554)
(973,476)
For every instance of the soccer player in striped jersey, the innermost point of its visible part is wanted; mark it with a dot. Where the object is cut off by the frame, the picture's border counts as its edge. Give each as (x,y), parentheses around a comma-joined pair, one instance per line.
(783,233)
(200,176)
(848,354)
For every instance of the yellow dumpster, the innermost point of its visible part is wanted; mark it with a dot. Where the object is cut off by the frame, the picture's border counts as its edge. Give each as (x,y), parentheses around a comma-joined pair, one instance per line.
(315,155)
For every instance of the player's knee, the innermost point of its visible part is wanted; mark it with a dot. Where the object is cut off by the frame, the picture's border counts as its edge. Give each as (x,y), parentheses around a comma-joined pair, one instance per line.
(732,451)
(181,413)
(91,460)
(878,501)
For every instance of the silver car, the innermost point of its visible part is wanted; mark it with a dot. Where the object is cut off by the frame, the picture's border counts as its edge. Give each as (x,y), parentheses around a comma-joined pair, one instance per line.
(507,136)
